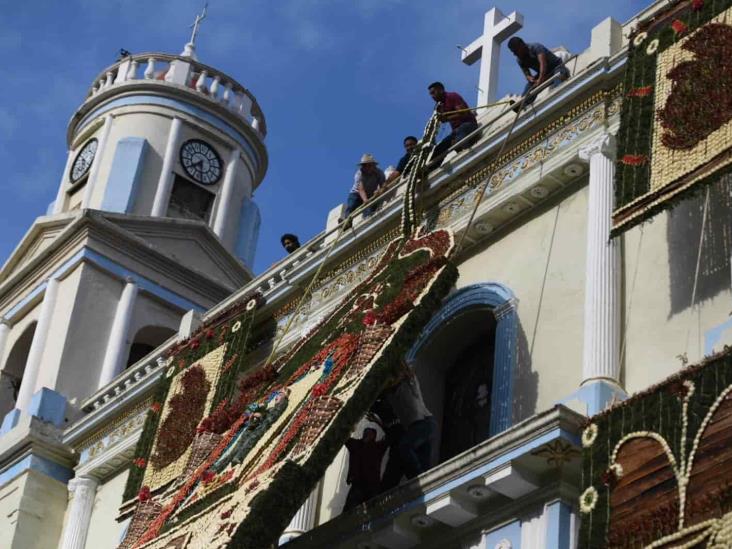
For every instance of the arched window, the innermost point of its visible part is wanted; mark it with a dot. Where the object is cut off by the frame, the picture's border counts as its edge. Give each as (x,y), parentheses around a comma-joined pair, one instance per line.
(146,340)
(12,373)
(465,362)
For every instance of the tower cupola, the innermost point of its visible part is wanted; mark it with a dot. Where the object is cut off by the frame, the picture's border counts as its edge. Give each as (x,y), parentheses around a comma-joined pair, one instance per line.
(165,135)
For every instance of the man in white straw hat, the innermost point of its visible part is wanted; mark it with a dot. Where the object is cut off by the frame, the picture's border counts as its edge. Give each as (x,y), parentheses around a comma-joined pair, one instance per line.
(368,179)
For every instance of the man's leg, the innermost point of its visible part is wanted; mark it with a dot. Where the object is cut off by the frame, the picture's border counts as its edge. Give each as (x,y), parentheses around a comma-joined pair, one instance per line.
(438,155)
(353,202)
(354,497)
(463,131)
(424,452)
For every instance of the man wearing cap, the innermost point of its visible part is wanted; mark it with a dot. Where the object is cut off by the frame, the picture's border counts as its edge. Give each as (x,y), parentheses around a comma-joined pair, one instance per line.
(368,179)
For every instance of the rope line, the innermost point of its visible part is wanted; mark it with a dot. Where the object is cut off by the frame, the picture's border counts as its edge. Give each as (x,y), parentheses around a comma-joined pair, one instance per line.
(621,357)
(696,272)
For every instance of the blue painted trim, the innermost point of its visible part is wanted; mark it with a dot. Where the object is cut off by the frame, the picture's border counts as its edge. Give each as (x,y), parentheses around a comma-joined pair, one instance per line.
(9,421)
(121,189)
(504,459)
(249,222)
(713,335)
(490,295)
(596,395)
(147,285)
(216,122)
(558,525)
(510,532)
(48,405)
(37,463)
(114,268)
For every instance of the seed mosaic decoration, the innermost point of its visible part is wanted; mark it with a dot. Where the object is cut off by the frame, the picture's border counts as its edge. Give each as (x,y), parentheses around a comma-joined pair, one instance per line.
(229,452)
(657,469)
(676,122)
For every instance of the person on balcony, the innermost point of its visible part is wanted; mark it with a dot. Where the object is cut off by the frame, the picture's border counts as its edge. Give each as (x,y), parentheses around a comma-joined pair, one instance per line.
(366,183)
(415,445)
(382,414)
(539,59)
(410,145)
(364,467)
(290,242)
(453,110)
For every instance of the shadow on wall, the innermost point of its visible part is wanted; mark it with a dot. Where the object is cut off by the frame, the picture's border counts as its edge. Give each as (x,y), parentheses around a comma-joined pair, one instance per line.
(526,381)
(683,233)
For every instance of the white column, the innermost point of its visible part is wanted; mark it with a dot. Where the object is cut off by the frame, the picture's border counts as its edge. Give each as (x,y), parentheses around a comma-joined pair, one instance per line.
(225,207)
(94,171)
(117,343)
(80,512)
(602,273)
(58,206)
(165,183)
(304,519)
(33,362)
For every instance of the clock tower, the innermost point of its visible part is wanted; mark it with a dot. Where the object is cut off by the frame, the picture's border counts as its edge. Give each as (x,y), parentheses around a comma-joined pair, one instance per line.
(154,222)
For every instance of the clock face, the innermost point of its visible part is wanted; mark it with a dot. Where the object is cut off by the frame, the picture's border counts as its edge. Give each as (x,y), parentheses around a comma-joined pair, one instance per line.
(83,160)
(201,161)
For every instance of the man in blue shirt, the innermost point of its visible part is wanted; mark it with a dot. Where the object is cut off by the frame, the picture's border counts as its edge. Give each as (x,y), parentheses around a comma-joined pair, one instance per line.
(536,57)
(410,144)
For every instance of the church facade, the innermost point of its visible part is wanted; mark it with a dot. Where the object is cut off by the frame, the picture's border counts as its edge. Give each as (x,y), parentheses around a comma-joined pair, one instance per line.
(153,233)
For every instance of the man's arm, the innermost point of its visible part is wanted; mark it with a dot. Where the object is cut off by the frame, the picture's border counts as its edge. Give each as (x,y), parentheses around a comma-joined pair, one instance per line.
(542,69)
(392,176)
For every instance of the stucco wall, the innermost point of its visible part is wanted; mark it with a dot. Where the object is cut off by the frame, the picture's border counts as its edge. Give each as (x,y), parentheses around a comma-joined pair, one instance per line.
(104,531)
(31,512)
(542,260)
(662,324)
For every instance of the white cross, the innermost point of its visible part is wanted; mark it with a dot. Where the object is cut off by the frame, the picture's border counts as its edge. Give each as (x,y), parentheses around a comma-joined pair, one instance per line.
(496,28)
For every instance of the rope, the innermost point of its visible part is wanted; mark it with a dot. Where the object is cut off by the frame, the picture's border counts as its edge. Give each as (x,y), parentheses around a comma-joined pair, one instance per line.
(409,218)
(489,105)
(696,273)
(630,300)
(484,186)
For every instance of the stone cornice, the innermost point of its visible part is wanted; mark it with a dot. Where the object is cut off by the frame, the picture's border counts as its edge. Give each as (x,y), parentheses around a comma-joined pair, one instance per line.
(99,226)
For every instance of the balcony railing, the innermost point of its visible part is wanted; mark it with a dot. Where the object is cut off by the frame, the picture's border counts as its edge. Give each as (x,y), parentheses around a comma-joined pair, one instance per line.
(210,83)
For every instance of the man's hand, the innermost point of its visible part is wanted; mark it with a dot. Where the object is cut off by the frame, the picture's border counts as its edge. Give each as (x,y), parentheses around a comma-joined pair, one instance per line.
(531,79)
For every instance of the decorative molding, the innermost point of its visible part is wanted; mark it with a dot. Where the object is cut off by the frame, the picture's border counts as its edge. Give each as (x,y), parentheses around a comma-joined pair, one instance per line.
(604,144)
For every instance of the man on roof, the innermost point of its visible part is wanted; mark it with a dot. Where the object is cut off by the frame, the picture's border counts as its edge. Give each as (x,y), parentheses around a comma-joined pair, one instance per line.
(539,59)
(366,182)
(455,111)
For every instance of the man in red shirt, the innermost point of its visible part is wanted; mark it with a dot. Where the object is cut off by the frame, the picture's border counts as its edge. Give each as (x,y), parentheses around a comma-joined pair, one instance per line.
(462,123)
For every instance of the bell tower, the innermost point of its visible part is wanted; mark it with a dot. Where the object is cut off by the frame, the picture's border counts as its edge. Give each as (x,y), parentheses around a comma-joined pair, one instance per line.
(154,222)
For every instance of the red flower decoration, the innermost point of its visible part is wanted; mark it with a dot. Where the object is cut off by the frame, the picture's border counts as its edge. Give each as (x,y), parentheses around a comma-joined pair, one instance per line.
(369,319)
(319,390)
(208,476)
(609,478)
(210,333)
(195,344)
(679,26)
(634,159)
(641,92)
(155,407)
(697,5)
(144,494)
(225,514)
(140,463)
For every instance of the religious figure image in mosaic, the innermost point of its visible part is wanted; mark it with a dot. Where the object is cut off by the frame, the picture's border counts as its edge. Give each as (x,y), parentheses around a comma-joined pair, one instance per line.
(230,451)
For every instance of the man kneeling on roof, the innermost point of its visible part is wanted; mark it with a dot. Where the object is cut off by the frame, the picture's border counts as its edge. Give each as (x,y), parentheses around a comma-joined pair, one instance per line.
(536,57)
(368,180)
(454,110)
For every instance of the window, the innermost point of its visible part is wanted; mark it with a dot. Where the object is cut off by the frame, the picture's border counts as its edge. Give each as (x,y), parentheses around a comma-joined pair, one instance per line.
(190,201)
(146,341)
(12,373)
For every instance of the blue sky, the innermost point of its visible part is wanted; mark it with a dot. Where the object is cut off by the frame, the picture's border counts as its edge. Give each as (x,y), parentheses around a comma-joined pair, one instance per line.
(335,78)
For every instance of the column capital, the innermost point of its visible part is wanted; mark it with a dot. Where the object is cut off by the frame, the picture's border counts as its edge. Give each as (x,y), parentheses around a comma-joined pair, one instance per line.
(602,144)
(82,485)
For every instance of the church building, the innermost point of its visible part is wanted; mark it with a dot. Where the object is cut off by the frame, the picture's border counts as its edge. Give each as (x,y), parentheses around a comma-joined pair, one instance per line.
(566,301)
